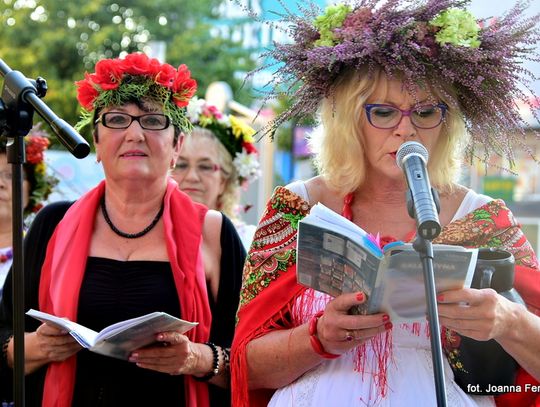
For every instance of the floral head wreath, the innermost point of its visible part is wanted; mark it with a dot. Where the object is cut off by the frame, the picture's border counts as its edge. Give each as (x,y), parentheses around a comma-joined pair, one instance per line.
(41,182)
(118,81)
(415,41)
(234,134)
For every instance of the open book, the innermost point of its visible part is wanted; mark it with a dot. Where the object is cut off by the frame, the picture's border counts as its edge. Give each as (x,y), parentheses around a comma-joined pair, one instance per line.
(120,339)
(336,256)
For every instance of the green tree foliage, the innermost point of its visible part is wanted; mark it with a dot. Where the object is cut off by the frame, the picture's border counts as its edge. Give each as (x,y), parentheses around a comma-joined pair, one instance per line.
(60,40)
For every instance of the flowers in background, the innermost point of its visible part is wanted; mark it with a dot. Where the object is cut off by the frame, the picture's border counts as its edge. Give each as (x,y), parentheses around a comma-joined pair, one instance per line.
(431,41)
(117,81)
(233,133)
(41,183)
(36,144)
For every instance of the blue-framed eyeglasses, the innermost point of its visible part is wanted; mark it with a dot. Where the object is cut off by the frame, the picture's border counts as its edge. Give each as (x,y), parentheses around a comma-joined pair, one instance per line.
(384,116)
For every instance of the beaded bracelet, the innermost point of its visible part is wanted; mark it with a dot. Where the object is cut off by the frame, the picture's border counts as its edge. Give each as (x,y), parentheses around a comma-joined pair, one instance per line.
(3,355)
(215,364)
(315,342)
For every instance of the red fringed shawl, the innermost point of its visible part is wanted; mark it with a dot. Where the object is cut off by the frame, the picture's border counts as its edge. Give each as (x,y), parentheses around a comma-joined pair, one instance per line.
(65,263)
(270,290)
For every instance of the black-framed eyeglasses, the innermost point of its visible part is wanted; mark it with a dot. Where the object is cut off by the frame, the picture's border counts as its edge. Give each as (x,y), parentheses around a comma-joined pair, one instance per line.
(7,175)
(424,117)
(118,120)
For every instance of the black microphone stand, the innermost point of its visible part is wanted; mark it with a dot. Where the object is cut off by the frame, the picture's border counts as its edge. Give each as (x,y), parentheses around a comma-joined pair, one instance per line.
(19,98)
(424,247)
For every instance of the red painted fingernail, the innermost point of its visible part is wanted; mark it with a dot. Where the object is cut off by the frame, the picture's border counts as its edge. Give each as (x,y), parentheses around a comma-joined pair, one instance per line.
(385,318)
(360,296)
(388,326)
(440,298)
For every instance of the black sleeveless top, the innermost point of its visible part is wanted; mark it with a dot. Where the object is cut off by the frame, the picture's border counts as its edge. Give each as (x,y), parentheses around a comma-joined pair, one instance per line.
(114,291)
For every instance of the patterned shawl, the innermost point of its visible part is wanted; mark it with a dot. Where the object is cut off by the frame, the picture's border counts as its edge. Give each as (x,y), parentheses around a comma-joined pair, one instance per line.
(269,287)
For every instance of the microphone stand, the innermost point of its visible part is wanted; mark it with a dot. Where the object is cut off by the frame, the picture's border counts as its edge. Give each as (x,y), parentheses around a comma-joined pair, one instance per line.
(19,98)
(424,247)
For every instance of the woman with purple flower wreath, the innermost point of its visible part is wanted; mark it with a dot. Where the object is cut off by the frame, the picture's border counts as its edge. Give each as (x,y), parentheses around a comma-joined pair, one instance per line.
(381,74)
(133,245)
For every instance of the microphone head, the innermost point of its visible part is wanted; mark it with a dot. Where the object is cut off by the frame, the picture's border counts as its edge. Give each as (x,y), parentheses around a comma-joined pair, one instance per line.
(411,148)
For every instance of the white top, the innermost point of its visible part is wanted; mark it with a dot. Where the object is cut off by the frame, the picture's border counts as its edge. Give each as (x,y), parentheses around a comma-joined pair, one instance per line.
(471,201)
(410,373)
(245,232)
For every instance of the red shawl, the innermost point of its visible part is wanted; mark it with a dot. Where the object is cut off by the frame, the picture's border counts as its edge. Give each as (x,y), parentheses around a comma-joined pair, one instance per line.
(270,289)
(65,264)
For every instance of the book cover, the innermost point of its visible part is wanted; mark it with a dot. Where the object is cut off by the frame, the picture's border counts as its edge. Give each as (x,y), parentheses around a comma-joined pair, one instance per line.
(120,339)
(336,256)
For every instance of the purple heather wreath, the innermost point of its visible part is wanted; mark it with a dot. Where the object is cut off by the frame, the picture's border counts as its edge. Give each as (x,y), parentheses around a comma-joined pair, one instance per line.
(417,41)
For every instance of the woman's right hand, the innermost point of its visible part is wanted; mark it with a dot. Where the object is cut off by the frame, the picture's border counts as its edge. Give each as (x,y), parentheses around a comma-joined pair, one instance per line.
(282,355)
(47,344)
(338,331)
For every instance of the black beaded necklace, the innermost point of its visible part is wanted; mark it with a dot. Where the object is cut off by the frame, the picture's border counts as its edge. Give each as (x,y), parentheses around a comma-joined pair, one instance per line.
(124,234)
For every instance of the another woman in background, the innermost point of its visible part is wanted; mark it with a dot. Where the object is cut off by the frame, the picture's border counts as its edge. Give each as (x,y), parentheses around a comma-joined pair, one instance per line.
(133,245)
(37,185)
(216,161)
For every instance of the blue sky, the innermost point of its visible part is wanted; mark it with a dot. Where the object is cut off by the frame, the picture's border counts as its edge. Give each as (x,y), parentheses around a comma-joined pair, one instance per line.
(490,8)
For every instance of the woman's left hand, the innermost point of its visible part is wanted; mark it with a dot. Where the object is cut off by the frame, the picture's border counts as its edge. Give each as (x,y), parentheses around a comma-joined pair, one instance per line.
(174,354)
(479,314)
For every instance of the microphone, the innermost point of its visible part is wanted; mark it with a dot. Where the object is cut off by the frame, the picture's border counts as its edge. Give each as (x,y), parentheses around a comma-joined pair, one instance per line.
(422,200)
(17,94)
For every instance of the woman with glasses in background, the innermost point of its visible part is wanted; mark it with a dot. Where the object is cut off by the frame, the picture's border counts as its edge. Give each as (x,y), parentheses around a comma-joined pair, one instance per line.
(133,245)
(381,75)
(37,185)
(217,161)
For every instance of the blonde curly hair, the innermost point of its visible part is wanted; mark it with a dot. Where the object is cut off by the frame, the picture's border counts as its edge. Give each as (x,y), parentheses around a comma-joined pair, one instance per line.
(338,147)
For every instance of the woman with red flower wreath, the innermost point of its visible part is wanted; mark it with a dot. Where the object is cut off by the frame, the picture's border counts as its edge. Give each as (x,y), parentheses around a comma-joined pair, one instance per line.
(135,244)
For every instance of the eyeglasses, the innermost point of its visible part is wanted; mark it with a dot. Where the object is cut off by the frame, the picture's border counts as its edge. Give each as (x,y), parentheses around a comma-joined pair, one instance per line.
(117,120)
(203,169)
(388,117)
(6,175)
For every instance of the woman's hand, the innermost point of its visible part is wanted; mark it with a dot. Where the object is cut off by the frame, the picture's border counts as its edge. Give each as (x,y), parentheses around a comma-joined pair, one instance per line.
(282,355)
(175,354)
(47,344)
(484,314)
(338,331)
(479,314)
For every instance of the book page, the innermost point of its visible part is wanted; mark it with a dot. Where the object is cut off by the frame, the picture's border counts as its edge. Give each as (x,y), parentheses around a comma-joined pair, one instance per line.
(333,263)
(120,339)
(322,216)
(402,293)
(83,335)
